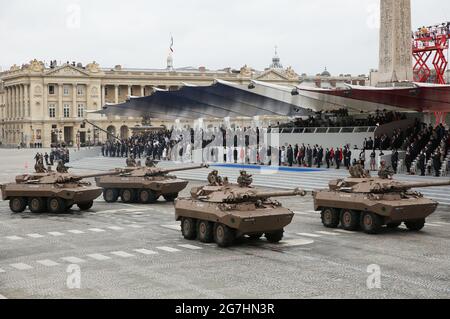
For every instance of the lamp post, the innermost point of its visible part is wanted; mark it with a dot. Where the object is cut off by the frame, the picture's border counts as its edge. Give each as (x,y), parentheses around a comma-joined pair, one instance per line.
(60,137)
(78,139)
(89,138)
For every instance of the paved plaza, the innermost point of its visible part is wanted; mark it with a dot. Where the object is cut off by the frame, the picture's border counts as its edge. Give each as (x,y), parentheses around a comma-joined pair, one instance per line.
(137,251)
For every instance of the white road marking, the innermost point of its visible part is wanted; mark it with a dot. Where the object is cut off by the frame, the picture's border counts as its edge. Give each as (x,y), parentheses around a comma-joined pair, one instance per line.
(96,230)
(135,226)
(432,225)
(296,242)
(168,249)
(75,231)
(343,231)
(115,228)
(55,233)
(3,297)
(35,236)
(313,212)
(48,263)
(301,213)
(21,266)
(192,247)
(309,235)
(122,254)
(74,260)
(2,270)
(14,237)
(441,223)
(146,251)
(176,227)
(98,257)
(327,233)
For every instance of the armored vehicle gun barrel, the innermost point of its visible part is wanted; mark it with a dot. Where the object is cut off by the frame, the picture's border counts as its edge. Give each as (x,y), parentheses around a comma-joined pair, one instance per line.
(265,195)
(406,186)
(171,170)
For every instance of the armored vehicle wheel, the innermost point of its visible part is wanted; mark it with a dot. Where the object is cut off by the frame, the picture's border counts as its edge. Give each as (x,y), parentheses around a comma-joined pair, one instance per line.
(223,235)
(56,205)
(85,206)
(350,220)
(255,236)
(110,195)
(275,236)
(147,196)
(330,217)
(371,223)
(205,231)
(127,195)
(170,197)
(393,225)
(188,228)
(415,225)
(18,204)
(36,205)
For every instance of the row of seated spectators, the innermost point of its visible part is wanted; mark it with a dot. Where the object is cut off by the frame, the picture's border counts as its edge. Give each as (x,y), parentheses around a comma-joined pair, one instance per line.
(341,118)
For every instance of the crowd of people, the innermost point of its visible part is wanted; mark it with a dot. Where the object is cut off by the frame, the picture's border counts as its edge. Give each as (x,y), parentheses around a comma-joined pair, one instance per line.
(430,34)
(341,118)
(317,156)
(156,145)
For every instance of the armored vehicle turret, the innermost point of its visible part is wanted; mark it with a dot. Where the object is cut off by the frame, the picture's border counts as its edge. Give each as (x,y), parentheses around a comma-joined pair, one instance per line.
(143,184)
(222,213)
(51,191)
(370,203)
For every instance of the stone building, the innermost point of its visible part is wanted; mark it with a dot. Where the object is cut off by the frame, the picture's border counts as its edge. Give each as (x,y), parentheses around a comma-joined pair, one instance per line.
(48,104)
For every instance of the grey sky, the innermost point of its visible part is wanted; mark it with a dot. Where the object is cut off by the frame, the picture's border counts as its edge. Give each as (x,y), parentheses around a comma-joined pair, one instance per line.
(339,34)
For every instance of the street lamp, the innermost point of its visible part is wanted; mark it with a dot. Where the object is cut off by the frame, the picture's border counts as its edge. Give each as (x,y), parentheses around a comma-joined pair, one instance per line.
(89,137)
(78,139)
(60,137)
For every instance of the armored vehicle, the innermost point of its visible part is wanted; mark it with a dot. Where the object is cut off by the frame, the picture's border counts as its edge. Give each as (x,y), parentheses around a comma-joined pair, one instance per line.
(370,203)
(51,191)
(143,184)
(222,213)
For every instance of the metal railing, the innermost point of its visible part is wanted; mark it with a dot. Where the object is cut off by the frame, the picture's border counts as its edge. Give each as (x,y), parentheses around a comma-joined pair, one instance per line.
(323,130)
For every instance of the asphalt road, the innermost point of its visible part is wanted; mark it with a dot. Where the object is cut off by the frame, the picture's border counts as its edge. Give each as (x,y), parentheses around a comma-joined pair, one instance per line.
(137,251)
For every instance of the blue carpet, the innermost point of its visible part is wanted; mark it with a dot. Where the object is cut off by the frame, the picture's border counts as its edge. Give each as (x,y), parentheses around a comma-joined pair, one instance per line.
(259,167)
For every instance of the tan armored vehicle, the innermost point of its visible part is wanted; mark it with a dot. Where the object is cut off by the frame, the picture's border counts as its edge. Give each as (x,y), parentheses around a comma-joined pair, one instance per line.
(224,213)
(51,191)
(143,184)
(372,202)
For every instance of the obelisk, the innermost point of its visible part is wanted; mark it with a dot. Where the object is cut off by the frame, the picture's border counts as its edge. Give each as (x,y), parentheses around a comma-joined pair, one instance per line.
(395,63)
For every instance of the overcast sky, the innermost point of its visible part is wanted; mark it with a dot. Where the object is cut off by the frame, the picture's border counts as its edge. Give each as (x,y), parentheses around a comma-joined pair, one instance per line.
(310,34)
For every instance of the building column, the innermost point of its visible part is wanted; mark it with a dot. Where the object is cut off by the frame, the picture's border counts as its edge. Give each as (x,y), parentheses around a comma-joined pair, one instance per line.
(116,95)
(8,101)
(103,88)
(21,102)
(45,102)
(74,101)
(27,101)
(129,90)
(142,90)
(60,108)
(15,101)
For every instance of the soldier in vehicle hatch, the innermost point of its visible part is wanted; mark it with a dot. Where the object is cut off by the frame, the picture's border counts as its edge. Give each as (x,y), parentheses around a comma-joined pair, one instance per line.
(245,180)
(358,171)
(385,172)
(214,179)
(131,162)
(61,168)
(149,162)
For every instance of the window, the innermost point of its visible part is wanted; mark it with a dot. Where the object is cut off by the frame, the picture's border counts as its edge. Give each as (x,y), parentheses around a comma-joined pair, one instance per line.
(80,90)
(66,110)
(66,90)
(51,89)
(80,110)
(52,110)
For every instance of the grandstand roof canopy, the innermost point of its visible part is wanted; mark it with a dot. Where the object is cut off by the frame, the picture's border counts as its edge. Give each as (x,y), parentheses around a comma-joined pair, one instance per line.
(225,99)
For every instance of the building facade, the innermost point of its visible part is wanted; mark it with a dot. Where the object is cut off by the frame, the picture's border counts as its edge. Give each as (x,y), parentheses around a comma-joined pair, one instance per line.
(45,105)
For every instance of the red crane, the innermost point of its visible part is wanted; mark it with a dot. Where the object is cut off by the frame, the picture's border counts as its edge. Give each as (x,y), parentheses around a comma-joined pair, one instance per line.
(431,42)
